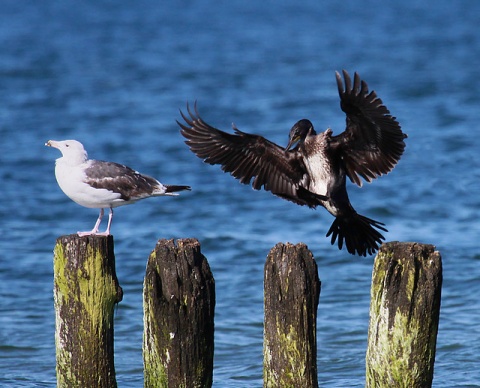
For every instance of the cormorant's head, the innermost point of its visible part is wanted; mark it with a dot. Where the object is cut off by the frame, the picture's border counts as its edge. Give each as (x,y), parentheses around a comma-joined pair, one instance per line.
(299,132)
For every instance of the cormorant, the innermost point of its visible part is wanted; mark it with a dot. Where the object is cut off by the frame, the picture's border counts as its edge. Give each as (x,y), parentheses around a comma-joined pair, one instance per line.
(312,169)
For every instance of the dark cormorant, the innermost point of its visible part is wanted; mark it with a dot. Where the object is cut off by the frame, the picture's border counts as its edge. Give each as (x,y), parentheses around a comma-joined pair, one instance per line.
(314,171)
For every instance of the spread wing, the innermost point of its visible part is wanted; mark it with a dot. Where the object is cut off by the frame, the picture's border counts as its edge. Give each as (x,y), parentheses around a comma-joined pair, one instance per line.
(372,142)
(246,156)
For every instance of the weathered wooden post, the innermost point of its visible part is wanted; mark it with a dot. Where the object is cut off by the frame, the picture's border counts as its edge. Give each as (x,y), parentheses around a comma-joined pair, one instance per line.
(404,314)
(292,291)
(86,290)
(179,305)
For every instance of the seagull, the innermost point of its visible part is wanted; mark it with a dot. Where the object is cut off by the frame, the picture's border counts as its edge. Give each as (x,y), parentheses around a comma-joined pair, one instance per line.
(312,169)
(100,184)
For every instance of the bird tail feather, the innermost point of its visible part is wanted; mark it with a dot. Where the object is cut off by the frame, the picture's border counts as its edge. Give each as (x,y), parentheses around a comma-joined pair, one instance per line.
(170,189)
(358,232)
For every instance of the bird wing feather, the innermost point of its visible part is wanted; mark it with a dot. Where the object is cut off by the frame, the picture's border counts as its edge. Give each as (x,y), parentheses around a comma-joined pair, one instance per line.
(247,157)
(121,179)
(373,141)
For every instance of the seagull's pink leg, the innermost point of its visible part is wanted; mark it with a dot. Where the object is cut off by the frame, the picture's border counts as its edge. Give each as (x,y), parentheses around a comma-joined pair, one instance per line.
(110,217)
(95,228)
(99,220)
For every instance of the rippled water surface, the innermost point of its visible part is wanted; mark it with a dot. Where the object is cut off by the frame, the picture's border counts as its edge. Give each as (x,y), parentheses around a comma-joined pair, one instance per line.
(113,75)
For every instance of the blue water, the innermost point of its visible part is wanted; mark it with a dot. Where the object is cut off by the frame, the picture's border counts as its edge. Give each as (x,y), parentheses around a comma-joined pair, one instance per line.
(114,74)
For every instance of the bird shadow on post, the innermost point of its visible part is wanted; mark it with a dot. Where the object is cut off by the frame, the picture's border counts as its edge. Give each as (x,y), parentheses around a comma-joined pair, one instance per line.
(179,306)
(86,290)
(291,295)
(404,315)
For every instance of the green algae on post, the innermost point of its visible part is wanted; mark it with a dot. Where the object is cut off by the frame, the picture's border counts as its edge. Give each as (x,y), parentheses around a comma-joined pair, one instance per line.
(404,315)
(291,295)
(179,306)
(86,290)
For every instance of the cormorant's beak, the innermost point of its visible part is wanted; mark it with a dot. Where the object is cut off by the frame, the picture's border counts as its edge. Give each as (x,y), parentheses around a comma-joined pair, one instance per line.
(291,142)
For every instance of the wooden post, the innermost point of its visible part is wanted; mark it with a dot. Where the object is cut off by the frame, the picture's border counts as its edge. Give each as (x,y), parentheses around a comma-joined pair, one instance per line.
(86,290)
(292,291)
(179,304)
(404,314)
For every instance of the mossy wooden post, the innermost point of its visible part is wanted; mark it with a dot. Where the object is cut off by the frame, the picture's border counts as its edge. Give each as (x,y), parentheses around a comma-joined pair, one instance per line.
(292,291)
(404,314)
(179,305)
(86,290)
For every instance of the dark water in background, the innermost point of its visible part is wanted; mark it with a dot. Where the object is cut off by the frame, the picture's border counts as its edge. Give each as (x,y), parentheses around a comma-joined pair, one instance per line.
(113,75)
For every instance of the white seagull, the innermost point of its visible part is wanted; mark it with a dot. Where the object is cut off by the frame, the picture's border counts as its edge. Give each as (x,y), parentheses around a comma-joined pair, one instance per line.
(99,184)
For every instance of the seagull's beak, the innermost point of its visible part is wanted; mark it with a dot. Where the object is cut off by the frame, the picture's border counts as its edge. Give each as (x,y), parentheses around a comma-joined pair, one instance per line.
(51,143)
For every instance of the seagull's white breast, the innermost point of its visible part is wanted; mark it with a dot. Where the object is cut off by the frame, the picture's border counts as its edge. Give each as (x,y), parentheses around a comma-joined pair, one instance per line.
(71,180)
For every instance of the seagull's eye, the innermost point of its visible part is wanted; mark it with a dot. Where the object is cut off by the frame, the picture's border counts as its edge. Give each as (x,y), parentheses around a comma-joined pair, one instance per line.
(67,145)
